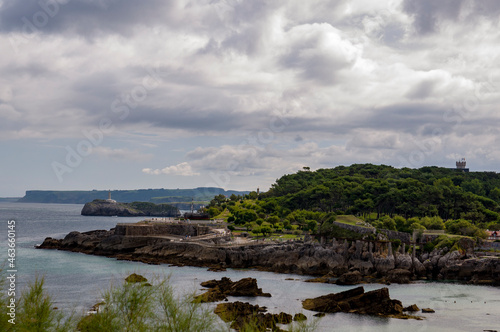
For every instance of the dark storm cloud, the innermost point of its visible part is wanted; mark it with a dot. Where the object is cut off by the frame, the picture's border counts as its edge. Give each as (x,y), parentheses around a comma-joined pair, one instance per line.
(198,121)
(415,119)
(87,18)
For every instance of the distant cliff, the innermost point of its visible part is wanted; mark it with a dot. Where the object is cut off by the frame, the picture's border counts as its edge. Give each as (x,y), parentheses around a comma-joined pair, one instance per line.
(99,207)
(201,195)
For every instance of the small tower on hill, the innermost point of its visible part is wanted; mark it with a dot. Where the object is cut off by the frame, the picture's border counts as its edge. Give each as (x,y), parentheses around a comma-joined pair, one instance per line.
(461,165)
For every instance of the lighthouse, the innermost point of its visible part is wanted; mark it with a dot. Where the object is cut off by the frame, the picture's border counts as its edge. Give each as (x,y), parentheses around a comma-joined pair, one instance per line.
(109,200)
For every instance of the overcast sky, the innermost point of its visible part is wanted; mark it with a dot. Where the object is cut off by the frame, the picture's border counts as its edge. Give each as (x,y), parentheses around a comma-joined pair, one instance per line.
(123,94)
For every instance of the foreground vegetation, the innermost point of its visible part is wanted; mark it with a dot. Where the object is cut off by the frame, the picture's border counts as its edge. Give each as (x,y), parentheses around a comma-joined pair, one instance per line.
(134,306)
(429,198)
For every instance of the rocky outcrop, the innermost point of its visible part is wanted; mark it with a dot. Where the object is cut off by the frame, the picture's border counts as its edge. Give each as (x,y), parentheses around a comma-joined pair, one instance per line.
(220,289)
(376,302)
(99,207)
(399,276)
(350,278)
(411,308)
(105,208)
(344,261)
(479,271)
(244,315)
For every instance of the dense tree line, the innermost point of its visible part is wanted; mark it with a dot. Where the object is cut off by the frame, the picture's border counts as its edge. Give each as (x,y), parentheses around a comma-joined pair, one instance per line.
(385,190)
(402,199)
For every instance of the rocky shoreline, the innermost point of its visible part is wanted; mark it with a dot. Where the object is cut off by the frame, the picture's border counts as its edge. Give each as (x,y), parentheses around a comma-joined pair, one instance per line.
(340,262)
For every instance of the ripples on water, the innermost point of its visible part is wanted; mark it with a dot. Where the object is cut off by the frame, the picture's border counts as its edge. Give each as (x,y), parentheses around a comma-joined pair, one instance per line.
(75,280)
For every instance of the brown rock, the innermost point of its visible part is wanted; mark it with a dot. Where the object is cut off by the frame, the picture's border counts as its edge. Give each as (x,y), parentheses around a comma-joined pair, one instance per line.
(49,243)
(244,315)
(400,276)
(217,269)
(411,308)
(133,278)
(350,278)
(220,289)
(299,317)
(428,310)
(376,302)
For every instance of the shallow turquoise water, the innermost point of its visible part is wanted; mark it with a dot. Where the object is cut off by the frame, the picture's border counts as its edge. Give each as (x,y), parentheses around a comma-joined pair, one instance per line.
(76,280)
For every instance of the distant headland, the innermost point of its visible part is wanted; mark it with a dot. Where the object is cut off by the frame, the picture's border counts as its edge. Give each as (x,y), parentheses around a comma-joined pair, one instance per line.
(109,207)
(180,198)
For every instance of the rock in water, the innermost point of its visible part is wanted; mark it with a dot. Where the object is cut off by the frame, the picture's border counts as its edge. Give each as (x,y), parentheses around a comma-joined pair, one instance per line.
(412,308)
(376,302)
(220,289)
(400,276)
(133,278)
(350,278)
(299,317)
(104,208)
(242,315)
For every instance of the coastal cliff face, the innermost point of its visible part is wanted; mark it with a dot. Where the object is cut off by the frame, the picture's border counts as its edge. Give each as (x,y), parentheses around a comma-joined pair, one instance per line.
(351,263)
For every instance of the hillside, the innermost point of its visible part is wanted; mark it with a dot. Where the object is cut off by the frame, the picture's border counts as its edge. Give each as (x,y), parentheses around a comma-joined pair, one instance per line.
(202,194)
(386,197)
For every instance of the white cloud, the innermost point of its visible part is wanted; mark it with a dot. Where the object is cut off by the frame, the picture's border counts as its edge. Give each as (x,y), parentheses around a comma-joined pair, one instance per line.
(121,154)
(356,81)
(182,169)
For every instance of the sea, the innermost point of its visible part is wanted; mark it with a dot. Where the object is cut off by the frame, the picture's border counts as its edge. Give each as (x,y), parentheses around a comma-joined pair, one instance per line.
(76,281)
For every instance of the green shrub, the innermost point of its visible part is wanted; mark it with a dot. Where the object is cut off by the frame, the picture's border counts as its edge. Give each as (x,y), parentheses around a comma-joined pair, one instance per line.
(443,241)
(396,243)
(429,246)
(35,311)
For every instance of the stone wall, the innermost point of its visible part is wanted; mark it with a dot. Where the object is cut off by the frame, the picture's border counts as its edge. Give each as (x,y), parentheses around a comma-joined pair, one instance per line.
(395,235)
(161,229)
(354,228)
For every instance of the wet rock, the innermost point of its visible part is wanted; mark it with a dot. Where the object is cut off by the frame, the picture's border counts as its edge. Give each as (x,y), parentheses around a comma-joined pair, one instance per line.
(135,278)
(399,276)
(242,315)
(326,279)
(350,278)
(217,269)
(220,289)
(411,308)
(376,302)
(50,243)
(428,310)
(299,317)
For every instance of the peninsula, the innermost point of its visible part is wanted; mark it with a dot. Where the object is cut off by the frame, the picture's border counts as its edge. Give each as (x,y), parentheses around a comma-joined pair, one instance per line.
(348,225)
(338,261)
(109,207)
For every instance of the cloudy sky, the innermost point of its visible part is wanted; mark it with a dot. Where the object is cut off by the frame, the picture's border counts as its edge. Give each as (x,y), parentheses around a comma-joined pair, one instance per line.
(123,94)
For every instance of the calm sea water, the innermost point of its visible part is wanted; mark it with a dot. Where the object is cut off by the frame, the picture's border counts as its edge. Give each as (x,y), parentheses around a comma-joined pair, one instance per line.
(76,281)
